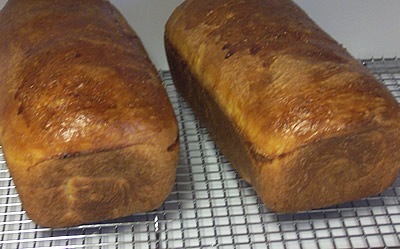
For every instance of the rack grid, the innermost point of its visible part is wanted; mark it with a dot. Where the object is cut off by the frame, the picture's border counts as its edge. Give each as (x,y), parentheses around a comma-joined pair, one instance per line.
(212,207)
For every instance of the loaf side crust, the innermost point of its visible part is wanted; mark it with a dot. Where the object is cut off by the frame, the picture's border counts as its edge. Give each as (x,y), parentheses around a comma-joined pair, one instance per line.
(99,186)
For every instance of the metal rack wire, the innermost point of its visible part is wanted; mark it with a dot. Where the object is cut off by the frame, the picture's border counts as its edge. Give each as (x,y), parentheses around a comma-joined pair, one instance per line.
(211,207)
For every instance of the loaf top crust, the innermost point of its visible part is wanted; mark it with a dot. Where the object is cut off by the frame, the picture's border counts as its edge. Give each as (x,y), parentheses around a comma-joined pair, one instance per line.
(283,81)
(75,78)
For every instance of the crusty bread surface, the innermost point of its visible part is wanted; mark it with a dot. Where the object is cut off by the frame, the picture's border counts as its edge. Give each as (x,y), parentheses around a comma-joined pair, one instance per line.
(86,126)
(301,120)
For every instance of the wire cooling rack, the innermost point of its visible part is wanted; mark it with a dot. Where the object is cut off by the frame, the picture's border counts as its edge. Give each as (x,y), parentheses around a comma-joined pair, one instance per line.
(211,207)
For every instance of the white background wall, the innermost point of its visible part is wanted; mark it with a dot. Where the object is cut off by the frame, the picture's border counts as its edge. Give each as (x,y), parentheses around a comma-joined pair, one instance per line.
(367,28)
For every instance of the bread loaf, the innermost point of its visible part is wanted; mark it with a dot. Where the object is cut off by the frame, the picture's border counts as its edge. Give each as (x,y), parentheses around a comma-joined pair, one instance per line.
(300,119)
(86,127)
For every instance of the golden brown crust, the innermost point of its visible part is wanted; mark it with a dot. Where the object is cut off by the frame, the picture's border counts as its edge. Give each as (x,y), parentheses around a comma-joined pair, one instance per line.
(284,101)
(98,186)
(79,93)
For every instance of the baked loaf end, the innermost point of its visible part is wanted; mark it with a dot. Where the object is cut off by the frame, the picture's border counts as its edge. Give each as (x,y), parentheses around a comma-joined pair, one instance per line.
(86,127)
(300,119)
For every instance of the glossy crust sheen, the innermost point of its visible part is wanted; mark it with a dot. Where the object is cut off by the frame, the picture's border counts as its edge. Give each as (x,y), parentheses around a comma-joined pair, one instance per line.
(300,119)
(86,126)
